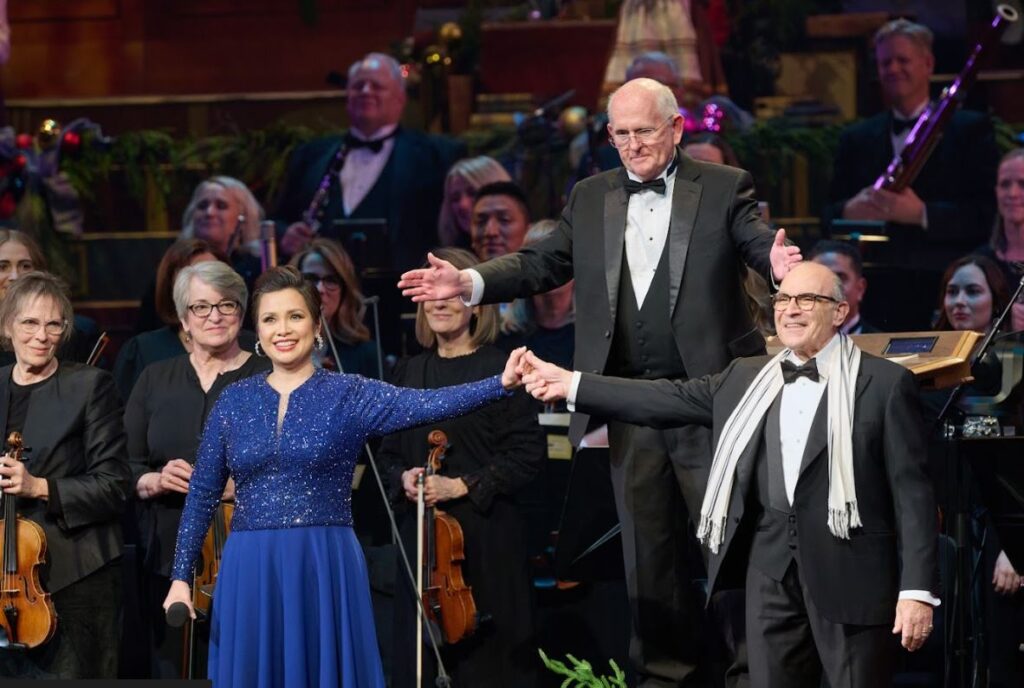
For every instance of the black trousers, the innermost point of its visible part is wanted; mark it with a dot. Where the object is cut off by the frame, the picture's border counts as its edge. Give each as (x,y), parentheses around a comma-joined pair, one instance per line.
(790,644)
(658,478)
(86,642)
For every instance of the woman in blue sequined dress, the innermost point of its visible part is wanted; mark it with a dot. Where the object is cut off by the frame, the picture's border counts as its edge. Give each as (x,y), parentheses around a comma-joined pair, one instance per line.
(292,605)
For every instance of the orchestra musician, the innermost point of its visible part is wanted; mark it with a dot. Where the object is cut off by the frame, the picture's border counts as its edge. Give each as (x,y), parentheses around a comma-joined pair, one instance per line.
(292,603)
(493,453)
(74,483)
(163,421)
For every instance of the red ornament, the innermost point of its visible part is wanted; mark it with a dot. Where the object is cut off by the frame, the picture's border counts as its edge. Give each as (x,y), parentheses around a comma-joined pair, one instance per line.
(71,141)
(19,162)
(7,205)
(23,141)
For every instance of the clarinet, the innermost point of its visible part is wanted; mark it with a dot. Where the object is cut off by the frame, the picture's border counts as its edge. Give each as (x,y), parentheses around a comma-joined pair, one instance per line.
(316,206)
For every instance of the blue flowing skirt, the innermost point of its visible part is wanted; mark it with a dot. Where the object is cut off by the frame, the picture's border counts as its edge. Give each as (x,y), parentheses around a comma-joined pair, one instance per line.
(292,608)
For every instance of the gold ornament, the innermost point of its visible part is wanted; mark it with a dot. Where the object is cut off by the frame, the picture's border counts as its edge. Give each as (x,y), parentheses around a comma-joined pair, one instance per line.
(449,32)
(49,133)
(433,55)
(573,120)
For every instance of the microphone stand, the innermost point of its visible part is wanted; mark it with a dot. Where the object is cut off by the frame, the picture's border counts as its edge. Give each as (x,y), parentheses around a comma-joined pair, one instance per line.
(443,680)
(957,498)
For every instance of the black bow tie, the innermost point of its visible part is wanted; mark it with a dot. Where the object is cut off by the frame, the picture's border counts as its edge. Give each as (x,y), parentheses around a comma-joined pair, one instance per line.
(900,125)
(791,371)
(375,146)
(655,185)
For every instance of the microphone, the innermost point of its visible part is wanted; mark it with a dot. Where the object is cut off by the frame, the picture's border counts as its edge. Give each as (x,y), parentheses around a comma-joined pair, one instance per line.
(177,615)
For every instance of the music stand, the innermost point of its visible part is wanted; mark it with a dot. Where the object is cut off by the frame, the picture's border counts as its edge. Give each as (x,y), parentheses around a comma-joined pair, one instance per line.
(365,239)
(589,545)
(999,471)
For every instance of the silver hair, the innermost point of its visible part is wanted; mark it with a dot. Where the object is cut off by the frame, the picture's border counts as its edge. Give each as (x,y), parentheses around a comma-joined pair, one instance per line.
(837,289)
(664,100)
(251,210)
(653,56)
(215,274)
(369,59)
(918,33)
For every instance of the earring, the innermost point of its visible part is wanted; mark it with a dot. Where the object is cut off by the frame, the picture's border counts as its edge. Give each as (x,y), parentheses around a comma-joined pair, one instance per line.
(257,349)
(188,336)
(319,341)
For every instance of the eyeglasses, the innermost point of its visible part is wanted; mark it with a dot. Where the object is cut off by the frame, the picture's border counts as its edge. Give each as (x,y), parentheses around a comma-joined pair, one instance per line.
(806,301)
(53,328)
(203,310)
(621,139)
(329,282)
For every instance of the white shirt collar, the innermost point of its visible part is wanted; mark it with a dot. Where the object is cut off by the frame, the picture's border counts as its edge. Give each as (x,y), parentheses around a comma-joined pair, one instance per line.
(915,114)
(822,358)
(664,173)
(379,134)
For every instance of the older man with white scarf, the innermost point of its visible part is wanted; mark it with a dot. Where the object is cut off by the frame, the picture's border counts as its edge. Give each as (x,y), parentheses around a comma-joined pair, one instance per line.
(818,501)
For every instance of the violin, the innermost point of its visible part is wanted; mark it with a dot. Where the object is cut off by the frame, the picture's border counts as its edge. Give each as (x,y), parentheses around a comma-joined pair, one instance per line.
(447,600)
(205,578)
(28,618)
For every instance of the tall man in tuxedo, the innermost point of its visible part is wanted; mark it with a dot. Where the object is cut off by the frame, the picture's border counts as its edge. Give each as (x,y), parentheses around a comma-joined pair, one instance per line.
(949,208)
(390,172)
(655,248)
(818,500)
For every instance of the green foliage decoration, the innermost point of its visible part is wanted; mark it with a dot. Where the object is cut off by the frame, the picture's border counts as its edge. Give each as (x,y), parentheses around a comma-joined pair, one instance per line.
(581,673)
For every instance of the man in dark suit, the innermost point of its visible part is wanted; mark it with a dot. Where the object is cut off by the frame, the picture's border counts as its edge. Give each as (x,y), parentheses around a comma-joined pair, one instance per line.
(833,537)
(389,171)
(655,248)
(845,261)
(949,208)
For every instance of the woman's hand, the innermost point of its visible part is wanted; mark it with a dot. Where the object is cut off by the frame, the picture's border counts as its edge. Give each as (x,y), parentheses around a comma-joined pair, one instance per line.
(180,592)
(16,480)
(409,483)
(174,476)
(511,377)
(441,489)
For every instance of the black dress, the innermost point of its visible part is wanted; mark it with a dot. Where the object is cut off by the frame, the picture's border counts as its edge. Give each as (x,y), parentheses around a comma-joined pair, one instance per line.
(164,420)
(496,451)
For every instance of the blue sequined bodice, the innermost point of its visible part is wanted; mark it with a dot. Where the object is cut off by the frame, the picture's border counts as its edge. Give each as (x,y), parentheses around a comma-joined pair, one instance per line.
(302,475)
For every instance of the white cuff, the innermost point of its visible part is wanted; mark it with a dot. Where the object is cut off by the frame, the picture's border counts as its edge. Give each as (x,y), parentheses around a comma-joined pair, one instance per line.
(478,288)
(570,399)
(920,596)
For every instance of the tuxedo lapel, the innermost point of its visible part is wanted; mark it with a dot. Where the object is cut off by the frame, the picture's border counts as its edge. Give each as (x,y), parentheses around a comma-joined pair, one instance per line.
(685,201)
(817,439)
(402,168)
(615,203)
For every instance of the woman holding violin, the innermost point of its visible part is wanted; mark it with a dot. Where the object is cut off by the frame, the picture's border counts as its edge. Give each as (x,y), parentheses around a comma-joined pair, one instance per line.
(493,452)
(163,421)
(292,606)
(73,483)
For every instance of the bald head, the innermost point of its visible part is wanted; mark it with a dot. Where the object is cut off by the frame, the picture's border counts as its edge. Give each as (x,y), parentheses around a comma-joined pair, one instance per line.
(645,126)
(807,331)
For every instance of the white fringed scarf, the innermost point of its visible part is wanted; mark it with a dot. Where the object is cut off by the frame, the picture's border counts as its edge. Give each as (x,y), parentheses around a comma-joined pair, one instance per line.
(739,429)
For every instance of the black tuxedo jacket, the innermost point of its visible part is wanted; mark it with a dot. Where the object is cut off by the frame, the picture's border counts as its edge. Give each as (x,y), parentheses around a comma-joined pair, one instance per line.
(715,226)
(855,581)
(75,440)
(956,184)
(418,163)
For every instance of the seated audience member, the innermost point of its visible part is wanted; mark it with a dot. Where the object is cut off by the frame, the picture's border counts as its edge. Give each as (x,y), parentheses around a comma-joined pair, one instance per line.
(170,340)
(326,265)
(19,254)
(74,486)
(493,454)
(710,147)
(464,179)
(389,171)
(544,323)
(1006,245)
(500,220)
(948,209)
(844,260)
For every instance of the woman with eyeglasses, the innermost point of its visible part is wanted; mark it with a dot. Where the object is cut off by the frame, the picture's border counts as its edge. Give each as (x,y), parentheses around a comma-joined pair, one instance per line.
(292,606)
(327,266)
(74,483)
(163,421)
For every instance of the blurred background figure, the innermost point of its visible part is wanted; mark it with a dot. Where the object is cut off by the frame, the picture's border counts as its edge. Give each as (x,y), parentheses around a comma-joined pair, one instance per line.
(1006,246)
(710,147)
(500,220)
(844,259)
(464,179)
(326,265)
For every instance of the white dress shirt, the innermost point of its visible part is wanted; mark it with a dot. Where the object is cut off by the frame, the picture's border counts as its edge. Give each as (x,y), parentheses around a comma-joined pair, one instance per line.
(363,167)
